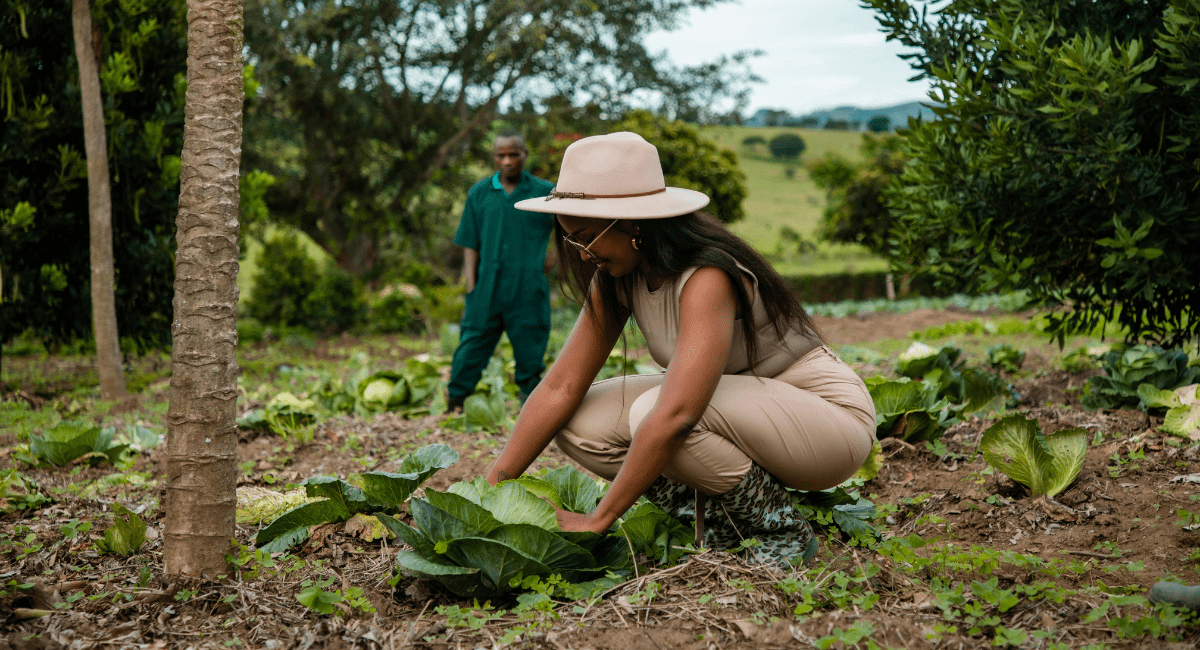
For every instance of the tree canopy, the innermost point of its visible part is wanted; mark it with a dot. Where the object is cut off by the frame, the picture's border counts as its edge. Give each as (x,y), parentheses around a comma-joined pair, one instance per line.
(1064,160)
(786,145)
(44,262)
(856,210)
(369,109)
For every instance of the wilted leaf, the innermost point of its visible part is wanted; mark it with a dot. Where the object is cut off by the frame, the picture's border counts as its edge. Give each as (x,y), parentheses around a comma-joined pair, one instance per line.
(365,527)
(257,504)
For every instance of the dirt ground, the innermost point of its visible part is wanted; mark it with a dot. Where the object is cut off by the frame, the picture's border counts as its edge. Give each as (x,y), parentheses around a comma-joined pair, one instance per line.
(1115,525)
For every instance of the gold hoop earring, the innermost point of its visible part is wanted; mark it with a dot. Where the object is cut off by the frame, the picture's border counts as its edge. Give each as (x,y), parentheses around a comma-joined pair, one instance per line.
(636,242)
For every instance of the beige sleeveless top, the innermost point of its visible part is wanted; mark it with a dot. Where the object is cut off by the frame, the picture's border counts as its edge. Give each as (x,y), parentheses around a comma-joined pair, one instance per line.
(657,315)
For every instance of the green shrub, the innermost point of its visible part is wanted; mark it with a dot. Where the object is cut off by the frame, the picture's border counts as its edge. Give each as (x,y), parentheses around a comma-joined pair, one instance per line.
(286,276)
(1077,361)
(786,145)
(400,308)
(1003,356)
(336,303)
(250,330)
(290,290)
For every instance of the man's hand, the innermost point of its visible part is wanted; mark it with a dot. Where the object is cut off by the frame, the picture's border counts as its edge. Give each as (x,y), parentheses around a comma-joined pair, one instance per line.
(470,270)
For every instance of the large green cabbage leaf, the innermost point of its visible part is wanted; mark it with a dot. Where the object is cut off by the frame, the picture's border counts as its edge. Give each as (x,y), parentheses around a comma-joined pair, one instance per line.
(71,439)
(1045,464)
(909,410)
(382,493)
(1183,408)
(500,535)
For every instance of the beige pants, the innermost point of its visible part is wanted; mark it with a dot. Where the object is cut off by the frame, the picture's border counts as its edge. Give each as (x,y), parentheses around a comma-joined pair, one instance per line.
(811,426)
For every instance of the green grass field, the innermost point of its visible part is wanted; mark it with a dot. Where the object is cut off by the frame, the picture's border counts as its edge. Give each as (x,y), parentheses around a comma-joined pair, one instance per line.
(775,200)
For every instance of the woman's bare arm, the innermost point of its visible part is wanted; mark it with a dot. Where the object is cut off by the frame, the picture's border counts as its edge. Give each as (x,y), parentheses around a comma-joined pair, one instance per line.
(708,309)
(555,399)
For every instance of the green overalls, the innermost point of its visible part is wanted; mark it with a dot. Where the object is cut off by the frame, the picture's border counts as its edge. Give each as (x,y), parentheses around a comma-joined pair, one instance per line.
(511,292)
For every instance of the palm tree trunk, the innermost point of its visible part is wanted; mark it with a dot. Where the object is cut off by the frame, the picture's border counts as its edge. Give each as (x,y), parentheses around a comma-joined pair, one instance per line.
(104,304)
(202,434)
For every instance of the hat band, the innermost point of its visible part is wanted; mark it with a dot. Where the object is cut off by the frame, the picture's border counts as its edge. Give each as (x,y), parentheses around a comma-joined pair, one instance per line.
(555,194)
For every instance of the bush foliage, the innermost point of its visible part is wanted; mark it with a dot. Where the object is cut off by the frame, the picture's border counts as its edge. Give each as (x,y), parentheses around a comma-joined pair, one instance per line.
(786,145)
(1064,159)
(45,269)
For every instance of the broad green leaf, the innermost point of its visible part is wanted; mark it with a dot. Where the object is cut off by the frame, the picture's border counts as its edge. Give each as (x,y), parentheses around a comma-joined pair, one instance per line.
(1067,448)
(126,534)
(498,562)
(438,525)
(472,490)
(393,489)
(1046,464)
(317,599)
(69,440)
(429,459)
(578,491)
(484,411)
(348,497)
(466,582)
(1153,398)
(541,489)
(1011,446)
(290,524)
(1184,420)
(474,516)
(408,535)
(544,546)
(853,519)
(653,532)
(984,391)
(510,503)
(415,562)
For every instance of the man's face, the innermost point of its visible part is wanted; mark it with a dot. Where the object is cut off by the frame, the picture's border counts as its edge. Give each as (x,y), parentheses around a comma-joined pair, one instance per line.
(510,156)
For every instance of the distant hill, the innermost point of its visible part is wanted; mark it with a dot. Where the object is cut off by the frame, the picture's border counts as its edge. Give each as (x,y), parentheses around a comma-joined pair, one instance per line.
(898,116)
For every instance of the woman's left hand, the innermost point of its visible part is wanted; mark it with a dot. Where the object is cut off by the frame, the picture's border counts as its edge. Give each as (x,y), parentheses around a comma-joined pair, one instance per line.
(575,522)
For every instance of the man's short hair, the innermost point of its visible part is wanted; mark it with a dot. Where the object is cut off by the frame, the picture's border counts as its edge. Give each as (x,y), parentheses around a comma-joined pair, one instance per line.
(511,134)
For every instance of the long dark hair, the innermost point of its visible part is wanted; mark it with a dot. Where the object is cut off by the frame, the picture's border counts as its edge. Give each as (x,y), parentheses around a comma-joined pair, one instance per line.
(676,244)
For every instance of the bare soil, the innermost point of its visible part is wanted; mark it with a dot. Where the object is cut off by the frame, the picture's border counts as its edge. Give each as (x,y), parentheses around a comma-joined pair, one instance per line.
(1116,523)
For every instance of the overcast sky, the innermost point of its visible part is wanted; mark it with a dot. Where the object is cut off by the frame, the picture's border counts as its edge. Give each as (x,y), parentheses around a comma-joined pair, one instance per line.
(818,53)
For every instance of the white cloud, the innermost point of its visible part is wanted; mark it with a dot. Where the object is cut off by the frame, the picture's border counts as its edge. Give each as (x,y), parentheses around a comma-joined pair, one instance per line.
(818,53)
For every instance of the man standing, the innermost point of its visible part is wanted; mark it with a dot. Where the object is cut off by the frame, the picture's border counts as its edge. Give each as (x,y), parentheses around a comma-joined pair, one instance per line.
(504,265)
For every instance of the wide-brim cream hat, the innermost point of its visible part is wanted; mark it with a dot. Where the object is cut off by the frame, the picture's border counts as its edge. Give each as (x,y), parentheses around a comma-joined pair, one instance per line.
(614,176)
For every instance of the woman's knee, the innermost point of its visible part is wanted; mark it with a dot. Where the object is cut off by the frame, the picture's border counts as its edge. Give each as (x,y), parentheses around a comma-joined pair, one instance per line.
(641,407)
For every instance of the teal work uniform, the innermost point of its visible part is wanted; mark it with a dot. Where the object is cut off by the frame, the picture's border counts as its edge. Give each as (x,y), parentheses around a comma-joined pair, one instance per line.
(511,292)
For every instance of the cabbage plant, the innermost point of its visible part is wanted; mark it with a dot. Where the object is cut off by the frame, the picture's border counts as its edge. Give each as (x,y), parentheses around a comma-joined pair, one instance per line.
(1129,367)
(479,540)
(71,440)
(382,494)
(1183,408)
(1046,464)
(1005,357)
(909,410)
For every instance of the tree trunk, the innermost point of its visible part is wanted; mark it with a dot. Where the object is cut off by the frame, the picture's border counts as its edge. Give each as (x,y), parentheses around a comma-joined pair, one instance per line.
(104,303)
(202,434)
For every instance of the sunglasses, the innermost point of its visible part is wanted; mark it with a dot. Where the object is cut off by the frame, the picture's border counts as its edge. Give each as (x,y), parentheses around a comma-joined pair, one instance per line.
(586,250)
